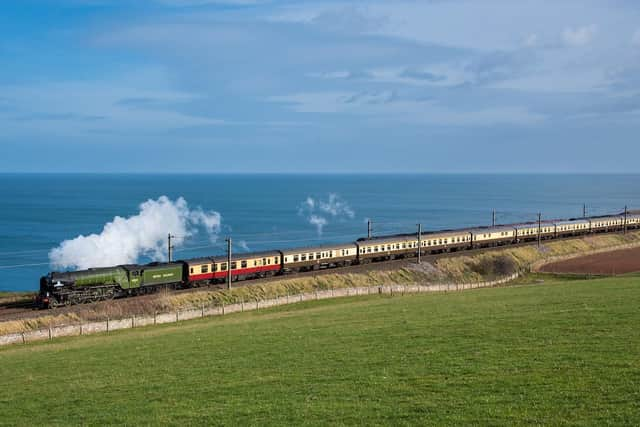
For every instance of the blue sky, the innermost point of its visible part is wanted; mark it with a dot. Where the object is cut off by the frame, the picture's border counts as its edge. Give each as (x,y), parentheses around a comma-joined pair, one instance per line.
(327,86)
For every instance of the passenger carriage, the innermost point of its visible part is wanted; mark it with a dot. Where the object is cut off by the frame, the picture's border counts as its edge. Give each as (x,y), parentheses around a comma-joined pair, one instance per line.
(243,266)
(317,257)
(572,227)
(492,236)
(607,223)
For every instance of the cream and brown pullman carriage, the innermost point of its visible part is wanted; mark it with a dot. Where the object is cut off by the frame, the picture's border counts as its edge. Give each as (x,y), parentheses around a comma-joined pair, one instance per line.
(317,257)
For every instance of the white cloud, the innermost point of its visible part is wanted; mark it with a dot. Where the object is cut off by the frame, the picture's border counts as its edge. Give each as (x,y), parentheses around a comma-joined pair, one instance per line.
(136,102)
(580,36)
(186,3)
(388,106)
(531,40)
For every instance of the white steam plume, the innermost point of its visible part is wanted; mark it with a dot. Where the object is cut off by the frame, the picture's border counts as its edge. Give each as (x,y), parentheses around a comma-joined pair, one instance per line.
(242,244)
(124,240)
(316,211)
(319,222)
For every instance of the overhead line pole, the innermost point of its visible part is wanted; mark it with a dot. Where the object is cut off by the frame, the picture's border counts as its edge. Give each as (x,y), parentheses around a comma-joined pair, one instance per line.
(584,210)
(493,218)
(228,262)
(368,229)
(419,241)
(625,219)
(539,227)
(169,246)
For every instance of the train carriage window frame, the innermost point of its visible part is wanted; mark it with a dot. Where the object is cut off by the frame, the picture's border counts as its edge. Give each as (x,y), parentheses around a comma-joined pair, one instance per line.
(204,269)
(243,263)
(234,265)
(318,255)
(223,266)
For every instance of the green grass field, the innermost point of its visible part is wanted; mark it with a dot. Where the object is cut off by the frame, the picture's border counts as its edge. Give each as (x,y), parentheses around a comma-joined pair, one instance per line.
(558,352)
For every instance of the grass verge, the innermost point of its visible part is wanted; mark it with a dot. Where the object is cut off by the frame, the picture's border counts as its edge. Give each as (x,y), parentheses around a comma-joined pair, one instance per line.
(562,353)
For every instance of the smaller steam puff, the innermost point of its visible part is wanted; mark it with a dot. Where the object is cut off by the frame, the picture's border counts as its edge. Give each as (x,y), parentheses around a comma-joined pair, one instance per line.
(316,211)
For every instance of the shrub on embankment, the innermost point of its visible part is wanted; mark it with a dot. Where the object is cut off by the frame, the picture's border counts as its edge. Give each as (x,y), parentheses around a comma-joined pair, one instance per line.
(472,268)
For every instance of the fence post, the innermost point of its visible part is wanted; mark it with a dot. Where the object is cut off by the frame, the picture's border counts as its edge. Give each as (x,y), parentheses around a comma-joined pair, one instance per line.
(107,324)
(49,331)
(202,309)
(177,315)
(223,308)
(133,321)
(287,297)
(80,328)
(155,317)
(23,340)
(242,304)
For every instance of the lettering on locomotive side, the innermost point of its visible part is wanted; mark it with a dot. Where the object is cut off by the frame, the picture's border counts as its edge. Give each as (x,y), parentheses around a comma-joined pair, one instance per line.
(160,276)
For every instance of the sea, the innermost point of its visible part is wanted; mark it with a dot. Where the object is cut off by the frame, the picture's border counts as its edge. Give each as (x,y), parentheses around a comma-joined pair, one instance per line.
(270,211)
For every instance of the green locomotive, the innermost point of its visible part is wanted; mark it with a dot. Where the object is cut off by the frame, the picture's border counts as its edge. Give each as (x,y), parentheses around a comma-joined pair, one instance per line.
(97,284)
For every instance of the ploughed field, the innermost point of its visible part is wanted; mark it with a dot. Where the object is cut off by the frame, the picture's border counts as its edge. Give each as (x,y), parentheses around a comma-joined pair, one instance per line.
(608,263)
(559,352)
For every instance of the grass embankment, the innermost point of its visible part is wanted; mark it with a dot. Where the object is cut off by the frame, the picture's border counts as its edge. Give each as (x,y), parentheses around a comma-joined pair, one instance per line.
(460,269)
(560,353)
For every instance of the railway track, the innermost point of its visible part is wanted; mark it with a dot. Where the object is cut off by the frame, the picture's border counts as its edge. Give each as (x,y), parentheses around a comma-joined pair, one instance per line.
(22,309)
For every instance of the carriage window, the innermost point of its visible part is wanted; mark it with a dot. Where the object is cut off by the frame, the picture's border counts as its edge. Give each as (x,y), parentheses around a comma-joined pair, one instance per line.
(276,260)
(223,266)
(265,262)
(318,255)
(310,257)
(204,269)
(191,271)
(295,258)
(303,257)
(234,265)
(243,264)
(368,249)
(214,267)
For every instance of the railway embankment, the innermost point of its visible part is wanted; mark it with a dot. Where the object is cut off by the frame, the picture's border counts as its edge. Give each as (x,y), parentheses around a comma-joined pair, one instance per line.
(442,274)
